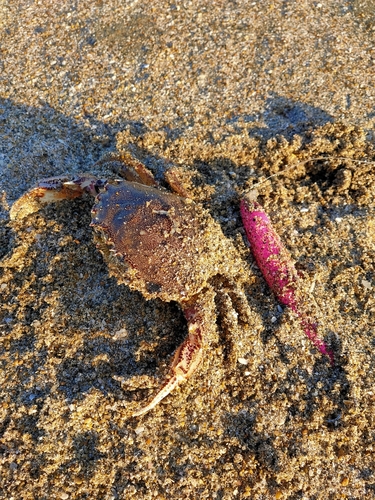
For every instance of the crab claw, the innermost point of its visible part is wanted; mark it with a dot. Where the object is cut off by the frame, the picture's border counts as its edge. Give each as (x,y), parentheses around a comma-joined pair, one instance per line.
(127,167)
(51,190)
(189,355)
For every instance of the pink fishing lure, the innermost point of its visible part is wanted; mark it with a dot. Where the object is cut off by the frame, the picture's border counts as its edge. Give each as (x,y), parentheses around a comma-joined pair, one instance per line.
(277,267)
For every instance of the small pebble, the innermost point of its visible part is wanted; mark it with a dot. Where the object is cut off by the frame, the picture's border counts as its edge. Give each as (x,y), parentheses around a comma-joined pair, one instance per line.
(366,284)
(120,334)
(243,361)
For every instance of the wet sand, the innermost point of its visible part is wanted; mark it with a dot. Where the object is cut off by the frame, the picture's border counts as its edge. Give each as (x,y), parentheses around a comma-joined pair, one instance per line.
(229,93)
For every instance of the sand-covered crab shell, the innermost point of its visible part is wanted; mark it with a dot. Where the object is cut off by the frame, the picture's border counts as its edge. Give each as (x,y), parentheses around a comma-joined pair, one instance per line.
(156,242)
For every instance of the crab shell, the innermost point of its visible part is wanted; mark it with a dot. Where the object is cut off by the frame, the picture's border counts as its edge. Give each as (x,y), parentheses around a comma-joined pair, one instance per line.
(156,242)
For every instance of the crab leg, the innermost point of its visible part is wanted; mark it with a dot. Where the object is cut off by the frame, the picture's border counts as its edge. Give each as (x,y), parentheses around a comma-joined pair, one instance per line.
(51,190)
(127,167)
(190,353)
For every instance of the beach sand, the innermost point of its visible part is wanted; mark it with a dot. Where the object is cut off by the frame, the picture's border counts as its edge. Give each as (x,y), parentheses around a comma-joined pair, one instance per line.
(230,93)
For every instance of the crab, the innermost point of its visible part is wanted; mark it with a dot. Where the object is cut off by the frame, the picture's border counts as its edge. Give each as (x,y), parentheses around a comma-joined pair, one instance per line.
(159,243)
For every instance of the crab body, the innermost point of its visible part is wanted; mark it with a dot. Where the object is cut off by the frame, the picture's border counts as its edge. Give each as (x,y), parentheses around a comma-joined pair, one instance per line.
(156,242)
(166,246)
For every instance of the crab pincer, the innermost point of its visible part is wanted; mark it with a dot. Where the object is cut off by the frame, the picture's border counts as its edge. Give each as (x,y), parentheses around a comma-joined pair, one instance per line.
(277,267)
